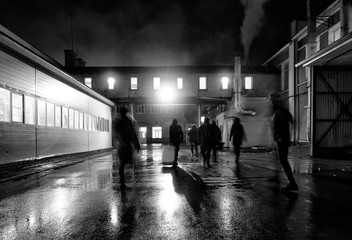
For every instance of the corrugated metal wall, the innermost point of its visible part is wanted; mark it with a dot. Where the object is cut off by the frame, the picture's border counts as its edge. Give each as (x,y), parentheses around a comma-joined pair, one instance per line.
(332,113)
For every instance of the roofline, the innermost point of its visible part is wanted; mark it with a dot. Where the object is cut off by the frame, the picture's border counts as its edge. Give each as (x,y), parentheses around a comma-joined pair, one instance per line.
(22,48)
(276,54)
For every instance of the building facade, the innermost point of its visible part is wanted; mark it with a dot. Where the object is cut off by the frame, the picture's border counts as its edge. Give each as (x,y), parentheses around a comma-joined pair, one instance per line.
(157,95)
(316,79)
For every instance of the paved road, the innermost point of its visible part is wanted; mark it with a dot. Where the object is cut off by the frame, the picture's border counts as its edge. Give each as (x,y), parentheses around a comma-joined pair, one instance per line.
(83,201)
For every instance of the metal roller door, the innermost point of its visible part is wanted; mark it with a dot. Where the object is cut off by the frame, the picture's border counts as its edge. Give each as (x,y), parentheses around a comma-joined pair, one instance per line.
(332,113)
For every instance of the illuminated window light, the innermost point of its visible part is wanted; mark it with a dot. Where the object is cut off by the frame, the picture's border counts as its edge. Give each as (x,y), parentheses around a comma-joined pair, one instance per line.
(202,83)
(225,82)
(134,83)
(88,82)
(179,83)
(156,83)
(111,82)
(248,82)
(202,119)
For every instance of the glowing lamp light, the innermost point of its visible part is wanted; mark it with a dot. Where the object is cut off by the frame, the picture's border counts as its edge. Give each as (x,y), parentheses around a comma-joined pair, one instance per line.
(166,95)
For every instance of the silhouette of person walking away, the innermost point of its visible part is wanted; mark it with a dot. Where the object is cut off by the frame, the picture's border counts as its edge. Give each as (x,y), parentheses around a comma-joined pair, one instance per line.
(205,135)
(237,135)
(280,123)
(176,137)
(193,140)
(126,137)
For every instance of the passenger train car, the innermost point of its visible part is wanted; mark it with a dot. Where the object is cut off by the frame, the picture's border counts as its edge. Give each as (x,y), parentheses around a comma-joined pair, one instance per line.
(44,111)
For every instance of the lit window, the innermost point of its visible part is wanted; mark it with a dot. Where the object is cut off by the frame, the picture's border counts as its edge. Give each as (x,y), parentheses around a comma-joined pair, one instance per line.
(225,82)
(134,83)
(202,119)
(57,116)
(111,82)
(85,116)
(41,113)
(76,119)
(156,83)
(202,83)
(4,105)
(157,132)
(140,109)
(179,83)
(50,114)
(142,132)
(81,120)
(94,122)
(172,109)
(155,109)
(17,108)
(71,115)
(88,82)
(248,82)
(29,110)
(64,117)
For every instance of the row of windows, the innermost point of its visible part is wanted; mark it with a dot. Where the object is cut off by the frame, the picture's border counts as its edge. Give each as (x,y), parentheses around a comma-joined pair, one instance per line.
(19,108)
(171,109)
(225,81)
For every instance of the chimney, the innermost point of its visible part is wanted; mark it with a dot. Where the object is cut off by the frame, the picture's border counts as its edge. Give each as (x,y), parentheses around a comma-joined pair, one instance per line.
(311,26)
(237,86)
(70,58)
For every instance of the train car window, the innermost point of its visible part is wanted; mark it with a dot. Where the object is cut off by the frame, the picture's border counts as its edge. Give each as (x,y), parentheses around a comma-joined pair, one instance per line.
(108,126)
(17,108)
(29,110)
(57,116)
(89,122)
(81,122)
(41,112)
(50,109)
(76,119)
(71,118)
(5,105)
(64,117)
(94,123)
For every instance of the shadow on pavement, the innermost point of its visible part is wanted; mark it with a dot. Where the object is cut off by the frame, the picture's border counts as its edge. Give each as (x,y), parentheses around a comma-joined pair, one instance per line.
(188,184)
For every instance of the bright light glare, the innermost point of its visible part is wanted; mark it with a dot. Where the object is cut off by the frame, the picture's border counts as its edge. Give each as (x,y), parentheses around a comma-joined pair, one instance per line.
(166,95)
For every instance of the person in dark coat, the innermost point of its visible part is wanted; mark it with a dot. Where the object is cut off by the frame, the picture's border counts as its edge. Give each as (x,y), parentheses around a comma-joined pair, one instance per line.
(237,135)
(126,137)
(280,123)
(205,134)
(216,139)
(176,137)
(193,140)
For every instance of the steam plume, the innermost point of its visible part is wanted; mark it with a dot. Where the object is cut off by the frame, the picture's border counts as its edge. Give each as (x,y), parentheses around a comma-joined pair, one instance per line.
(252,22)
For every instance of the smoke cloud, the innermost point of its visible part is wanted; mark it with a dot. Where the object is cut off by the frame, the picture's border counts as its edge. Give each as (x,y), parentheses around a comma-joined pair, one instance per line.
(252,22)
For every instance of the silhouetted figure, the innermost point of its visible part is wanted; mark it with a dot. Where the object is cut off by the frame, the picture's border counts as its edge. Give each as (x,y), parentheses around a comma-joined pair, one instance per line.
(216,139)
(176,137)
(194,140)
(205,133)
(237,135)
(280,121)
(126,137)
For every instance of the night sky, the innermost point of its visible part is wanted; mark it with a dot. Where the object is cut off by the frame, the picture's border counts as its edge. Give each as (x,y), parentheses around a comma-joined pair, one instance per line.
(154,32)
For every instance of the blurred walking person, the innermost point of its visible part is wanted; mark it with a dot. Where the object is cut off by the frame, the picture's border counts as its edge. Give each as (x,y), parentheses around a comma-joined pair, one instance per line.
(215,140)
(205,133)
(194,140)
(127,142)
(176,137)
(280,123)
(237,135)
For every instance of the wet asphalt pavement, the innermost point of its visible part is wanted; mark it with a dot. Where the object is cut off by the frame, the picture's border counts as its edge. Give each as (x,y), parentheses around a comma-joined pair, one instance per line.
(225,201)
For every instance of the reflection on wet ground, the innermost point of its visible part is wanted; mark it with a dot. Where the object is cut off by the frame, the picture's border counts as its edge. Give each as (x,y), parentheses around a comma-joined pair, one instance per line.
(225,201)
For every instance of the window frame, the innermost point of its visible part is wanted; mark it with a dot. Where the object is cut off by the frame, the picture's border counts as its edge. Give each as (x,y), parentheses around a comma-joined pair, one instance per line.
(132,84)
(248,86)
(200,83)
(156,83)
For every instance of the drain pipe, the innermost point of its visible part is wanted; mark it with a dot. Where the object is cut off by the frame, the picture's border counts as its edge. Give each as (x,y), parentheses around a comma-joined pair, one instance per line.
(237,88)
